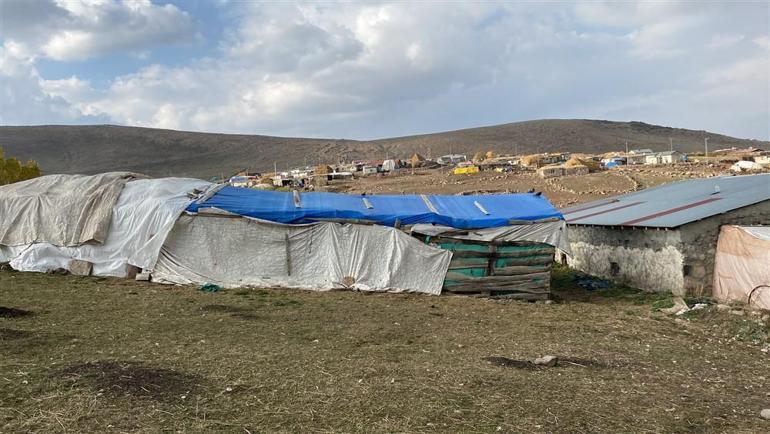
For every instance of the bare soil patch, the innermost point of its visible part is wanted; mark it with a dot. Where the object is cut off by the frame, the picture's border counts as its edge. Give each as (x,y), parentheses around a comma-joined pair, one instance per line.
(134,379)
(563,362)
(7,334)
(12,312)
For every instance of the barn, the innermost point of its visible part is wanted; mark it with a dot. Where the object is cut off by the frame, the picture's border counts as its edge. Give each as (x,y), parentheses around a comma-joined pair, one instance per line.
(664,238)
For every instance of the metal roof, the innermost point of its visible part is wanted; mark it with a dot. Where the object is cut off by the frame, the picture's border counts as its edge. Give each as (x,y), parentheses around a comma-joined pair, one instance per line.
(674,204)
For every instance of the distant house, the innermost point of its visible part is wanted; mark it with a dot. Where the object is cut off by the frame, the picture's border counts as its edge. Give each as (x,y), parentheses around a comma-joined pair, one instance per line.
(641,151)
(369,170)
(762,159)
(546,172)
(576,170)
(635,159)
(451,159)
(668,157)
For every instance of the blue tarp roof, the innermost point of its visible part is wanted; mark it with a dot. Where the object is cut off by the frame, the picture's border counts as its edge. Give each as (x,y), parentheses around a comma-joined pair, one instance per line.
(460,212)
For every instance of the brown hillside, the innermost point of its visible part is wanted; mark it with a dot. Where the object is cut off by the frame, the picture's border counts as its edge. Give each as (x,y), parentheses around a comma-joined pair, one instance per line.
(99,148)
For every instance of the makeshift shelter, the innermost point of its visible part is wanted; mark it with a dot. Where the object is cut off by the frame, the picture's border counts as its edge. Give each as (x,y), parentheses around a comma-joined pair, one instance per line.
(186,231)
(133,221)
(511,261)
(741,271)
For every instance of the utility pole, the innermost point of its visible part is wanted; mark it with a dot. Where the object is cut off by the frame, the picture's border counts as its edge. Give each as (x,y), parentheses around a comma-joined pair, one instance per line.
(670,144)
(275,167)
(626,146)
(706,142)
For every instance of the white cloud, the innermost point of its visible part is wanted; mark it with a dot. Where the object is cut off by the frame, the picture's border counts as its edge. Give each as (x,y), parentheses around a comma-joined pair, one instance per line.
(82,29)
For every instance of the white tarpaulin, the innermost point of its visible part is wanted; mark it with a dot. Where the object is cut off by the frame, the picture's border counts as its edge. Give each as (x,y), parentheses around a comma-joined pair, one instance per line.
(143,215)
(234,251)
(553,233)
(742,265)
(63,210)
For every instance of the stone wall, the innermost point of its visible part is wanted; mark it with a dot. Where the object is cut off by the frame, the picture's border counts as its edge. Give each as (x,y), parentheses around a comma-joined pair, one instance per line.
(649,259)
(677,260)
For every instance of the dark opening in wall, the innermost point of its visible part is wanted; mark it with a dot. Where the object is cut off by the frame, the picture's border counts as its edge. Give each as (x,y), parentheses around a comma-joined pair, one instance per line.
(686,270)
(614,268)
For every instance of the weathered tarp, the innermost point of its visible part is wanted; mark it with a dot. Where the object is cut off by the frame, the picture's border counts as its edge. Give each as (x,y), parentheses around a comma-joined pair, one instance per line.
(62,210)
(742,265)
(463,212)
(553,233)
(145,212)
(235,252)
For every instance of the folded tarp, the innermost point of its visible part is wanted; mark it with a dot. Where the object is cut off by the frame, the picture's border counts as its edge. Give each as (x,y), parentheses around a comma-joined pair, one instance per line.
(142,217)
(553,233)
(233,252)
(62,210)
(463,212)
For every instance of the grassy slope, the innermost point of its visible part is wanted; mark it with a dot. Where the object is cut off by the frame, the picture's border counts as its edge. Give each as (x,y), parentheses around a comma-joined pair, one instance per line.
(92,149)
(110,355)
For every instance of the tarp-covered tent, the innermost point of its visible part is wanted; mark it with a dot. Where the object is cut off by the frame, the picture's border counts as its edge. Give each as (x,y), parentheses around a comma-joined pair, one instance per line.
(234,252)
(742,265)
(64,210)
(140,216)
(506,220)
(189,231)
(461,212)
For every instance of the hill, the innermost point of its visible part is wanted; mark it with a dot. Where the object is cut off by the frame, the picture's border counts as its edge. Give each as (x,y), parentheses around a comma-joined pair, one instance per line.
(99,148)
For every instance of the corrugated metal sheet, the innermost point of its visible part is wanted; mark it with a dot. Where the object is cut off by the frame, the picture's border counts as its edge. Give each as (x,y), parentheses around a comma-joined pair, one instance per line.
(673,204)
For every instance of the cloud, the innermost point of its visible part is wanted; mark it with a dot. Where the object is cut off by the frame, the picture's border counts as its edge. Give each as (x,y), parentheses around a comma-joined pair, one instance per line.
(368,70)
(23,97)
(81,29)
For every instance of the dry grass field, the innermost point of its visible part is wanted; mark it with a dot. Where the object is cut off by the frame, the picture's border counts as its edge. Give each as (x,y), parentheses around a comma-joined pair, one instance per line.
(109,355)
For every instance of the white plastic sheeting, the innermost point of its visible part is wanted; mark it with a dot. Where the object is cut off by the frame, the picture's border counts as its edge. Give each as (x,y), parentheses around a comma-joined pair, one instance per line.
(235,251)
(553,233)
(63,210)
(142,217)
(742,265)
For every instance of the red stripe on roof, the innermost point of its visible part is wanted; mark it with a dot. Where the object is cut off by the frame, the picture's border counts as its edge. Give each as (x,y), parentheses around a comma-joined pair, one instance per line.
(590,207)
(670,211)
(604,211)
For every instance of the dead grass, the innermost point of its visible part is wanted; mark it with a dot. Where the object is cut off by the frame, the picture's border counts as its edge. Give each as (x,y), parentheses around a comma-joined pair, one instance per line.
(103,355)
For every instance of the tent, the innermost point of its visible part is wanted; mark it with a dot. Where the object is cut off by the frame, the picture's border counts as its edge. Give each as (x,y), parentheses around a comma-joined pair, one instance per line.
(186,231)
(135,221)
(742,265)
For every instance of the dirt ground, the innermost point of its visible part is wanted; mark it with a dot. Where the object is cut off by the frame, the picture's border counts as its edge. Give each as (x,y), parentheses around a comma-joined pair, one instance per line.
(108,355)
(562,192)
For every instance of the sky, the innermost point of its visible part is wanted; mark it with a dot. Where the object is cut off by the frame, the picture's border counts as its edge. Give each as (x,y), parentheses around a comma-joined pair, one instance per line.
(366,70)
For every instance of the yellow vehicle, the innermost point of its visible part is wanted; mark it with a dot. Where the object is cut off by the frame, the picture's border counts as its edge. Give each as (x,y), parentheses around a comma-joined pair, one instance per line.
(466,170)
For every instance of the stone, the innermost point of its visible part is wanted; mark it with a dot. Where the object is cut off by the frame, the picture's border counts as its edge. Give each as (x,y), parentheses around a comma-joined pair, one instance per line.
(738,312)
(549,361)
(765,414)
(80,268)
(143,276)
(722,307)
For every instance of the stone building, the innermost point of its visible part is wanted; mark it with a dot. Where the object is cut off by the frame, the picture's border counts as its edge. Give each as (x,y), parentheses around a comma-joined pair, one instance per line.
(665,238)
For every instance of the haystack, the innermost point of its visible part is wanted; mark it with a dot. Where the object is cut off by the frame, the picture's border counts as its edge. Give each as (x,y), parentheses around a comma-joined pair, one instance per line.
(417,160)
(479,156)
(575,162)
(323,170)
(530,160)
(491,154)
